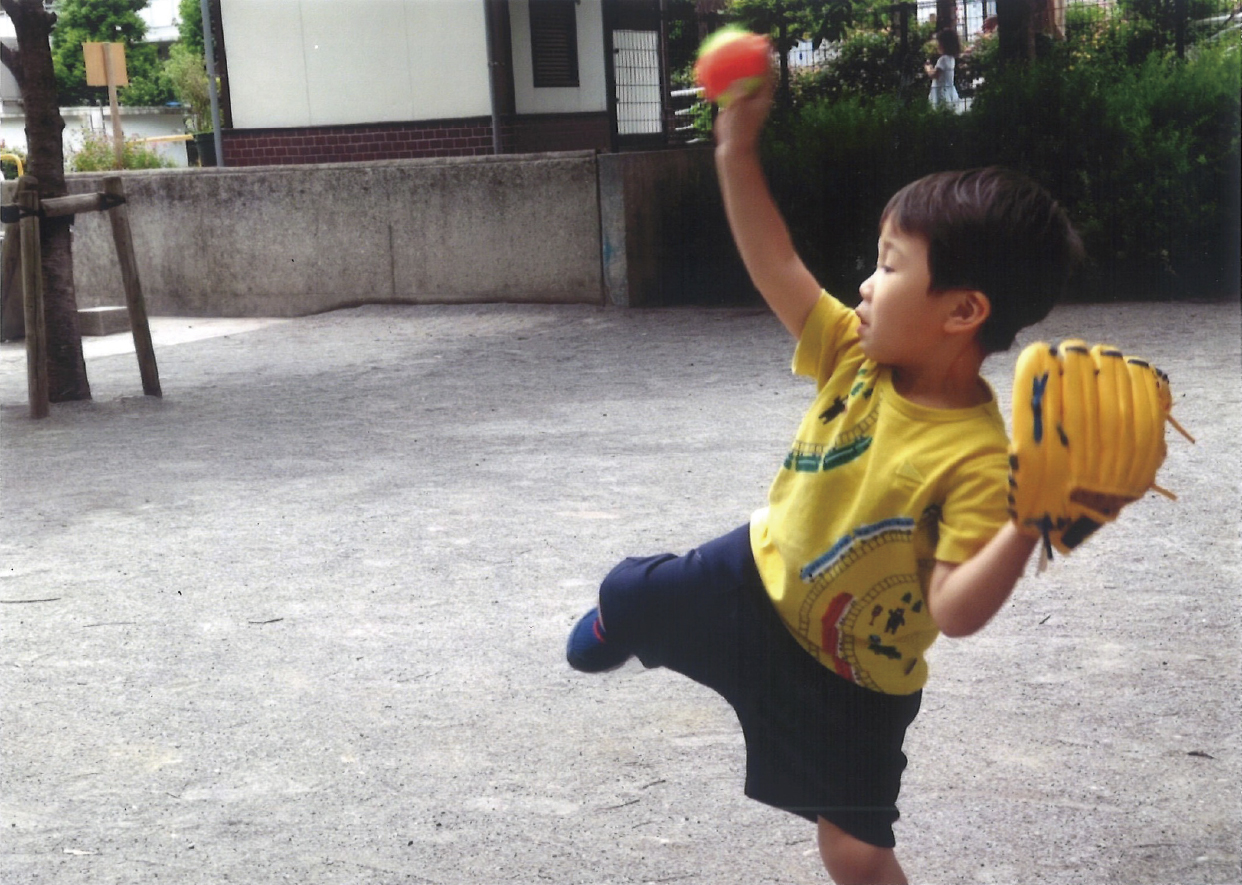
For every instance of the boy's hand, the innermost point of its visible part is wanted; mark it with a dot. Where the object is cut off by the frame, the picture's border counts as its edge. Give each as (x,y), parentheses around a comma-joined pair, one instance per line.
(741,119)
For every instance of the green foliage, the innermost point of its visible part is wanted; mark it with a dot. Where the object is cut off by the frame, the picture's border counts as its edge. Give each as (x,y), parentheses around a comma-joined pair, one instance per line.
(1144,157)
(190,14)
(867,63)
(794,20)
(97,155)
(834,165)
(787,22)
(105,21)
(683,38)
(187,72)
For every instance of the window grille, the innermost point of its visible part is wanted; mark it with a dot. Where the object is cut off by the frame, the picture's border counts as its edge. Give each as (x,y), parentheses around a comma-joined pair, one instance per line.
(637,70)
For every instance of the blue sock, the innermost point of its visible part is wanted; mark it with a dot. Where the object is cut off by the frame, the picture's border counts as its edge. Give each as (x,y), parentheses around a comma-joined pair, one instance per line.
(588,649)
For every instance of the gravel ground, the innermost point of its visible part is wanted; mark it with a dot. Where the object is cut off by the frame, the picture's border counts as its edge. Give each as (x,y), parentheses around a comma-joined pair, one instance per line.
(302,619)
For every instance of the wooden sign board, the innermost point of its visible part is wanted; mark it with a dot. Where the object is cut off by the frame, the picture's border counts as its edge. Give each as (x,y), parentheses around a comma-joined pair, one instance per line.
(97,64)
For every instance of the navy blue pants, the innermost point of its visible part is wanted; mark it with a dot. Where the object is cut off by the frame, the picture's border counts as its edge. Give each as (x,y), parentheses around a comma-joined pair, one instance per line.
(817,745)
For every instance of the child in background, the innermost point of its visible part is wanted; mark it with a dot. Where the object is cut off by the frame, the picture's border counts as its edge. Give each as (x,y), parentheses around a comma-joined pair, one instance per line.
(943,89)
(886,524)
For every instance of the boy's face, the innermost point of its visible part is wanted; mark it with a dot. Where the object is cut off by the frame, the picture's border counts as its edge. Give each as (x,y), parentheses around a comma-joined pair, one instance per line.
(899,316)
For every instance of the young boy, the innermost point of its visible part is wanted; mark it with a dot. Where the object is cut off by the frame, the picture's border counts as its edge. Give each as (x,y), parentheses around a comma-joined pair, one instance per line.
(887,523)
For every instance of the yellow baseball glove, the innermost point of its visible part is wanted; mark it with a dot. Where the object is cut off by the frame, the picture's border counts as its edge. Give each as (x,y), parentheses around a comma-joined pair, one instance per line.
(1088,438)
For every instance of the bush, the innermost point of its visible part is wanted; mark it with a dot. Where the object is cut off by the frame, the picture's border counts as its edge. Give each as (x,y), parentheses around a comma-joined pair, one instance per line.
(867,63)
(97,155)
(1144,158)
(835,164)
(187,72)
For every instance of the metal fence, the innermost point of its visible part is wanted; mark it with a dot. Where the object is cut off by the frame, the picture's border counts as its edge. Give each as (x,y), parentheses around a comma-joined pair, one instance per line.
(972,19)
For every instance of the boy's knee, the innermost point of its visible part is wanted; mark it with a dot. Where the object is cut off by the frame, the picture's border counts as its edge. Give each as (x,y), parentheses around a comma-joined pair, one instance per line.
(850,860)
(632,608)
(624,587)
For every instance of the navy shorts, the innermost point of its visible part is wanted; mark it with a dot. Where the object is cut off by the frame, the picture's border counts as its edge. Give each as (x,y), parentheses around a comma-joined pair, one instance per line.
(817,745)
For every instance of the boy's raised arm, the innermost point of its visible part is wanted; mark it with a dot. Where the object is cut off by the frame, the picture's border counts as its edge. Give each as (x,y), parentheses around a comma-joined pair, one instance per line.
(758,229)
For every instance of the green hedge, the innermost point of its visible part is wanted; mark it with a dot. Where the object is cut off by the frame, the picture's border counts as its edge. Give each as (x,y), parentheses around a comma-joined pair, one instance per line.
(1145,158)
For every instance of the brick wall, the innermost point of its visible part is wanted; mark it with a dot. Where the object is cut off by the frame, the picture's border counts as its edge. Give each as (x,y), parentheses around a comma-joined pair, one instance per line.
(339,144)
(397,141)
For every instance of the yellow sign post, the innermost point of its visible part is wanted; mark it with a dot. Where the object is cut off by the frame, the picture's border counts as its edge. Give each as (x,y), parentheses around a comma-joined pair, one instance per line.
(105,66)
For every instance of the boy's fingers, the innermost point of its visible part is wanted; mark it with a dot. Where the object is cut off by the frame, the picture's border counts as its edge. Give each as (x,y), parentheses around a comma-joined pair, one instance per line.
(747,93)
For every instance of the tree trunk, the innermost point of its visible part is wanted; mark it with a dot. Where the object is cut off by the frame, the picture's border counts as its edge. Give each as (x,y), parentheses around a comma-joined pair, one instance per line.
(31,65)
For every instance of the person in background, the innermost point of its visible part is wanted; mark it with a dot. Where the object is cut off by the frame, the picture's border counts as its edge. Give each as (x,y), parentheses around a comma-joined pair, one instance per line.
(943,91)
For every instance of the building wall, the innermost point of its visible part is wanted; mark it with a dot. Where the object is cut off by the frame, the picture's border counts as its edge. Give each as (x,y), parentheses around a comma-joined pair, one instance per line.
(300,63)
(467,137)
(591,94)
(337,144)
(301,92)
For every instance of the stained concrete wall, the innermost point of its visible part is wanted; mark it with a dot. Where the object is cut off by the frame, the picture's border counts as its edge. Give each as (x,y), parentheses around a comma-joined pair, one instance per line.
(296,240)
(631,230)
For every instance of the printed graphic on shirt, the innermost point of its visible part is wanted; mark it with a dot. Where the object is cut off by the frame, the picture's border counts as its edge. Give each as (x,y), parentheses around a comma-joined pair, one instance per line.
(833,411)
(860,386)
(860,633)
(806,457)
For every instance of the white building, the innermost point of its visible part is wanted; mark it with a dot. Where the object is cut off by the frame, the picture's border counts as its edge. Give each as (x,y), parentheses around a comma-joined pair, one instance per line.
(312,81)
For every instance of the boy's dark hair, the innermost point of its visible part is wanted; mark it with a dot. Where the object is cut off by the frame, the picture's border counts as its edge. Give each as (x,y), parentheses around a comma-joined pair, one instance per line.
(996,231)
(950,42)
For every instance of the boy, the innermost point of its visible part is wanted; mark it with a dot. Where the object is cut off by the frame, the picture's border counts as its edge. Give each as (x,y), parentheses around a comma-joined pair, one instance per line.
(887,523)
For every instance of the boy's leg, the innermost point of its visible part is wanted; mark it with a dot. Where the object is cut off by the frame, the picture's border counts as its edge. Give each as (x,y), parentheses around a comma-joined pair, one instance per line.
(680,612)
(850,861)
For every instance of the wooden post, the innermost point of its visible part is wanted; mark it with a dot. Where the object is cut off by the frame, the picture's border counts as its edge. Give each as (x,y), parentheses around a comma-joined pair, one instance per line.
(12,311)
(32,287)
(118,137)
(134,302)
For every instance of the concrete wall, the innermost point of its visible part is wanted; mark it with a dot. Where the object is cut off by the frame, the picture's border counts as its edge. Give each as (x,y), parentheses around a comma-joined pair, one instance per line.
(296,240)
(631,230)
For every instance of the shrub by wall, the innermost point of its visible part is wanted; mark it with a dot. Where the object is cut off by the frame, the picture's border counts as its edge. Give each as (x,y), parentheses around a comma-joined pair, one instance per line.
(1145,158)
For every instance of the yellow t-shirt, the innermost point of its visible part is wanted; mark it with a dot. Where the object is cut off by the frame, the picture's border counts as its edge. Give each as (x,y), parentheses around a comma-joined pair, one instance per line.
(874,490)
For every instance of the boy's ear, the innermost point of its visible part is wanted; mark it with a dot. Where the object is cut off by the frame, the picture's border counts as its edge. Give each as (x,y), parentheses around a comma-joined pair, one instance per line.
(970,309)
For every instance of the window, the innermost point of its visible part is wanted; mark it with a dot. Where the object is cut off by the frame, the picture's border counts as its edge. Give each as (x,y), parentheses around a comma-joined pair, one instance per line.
(554,42)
